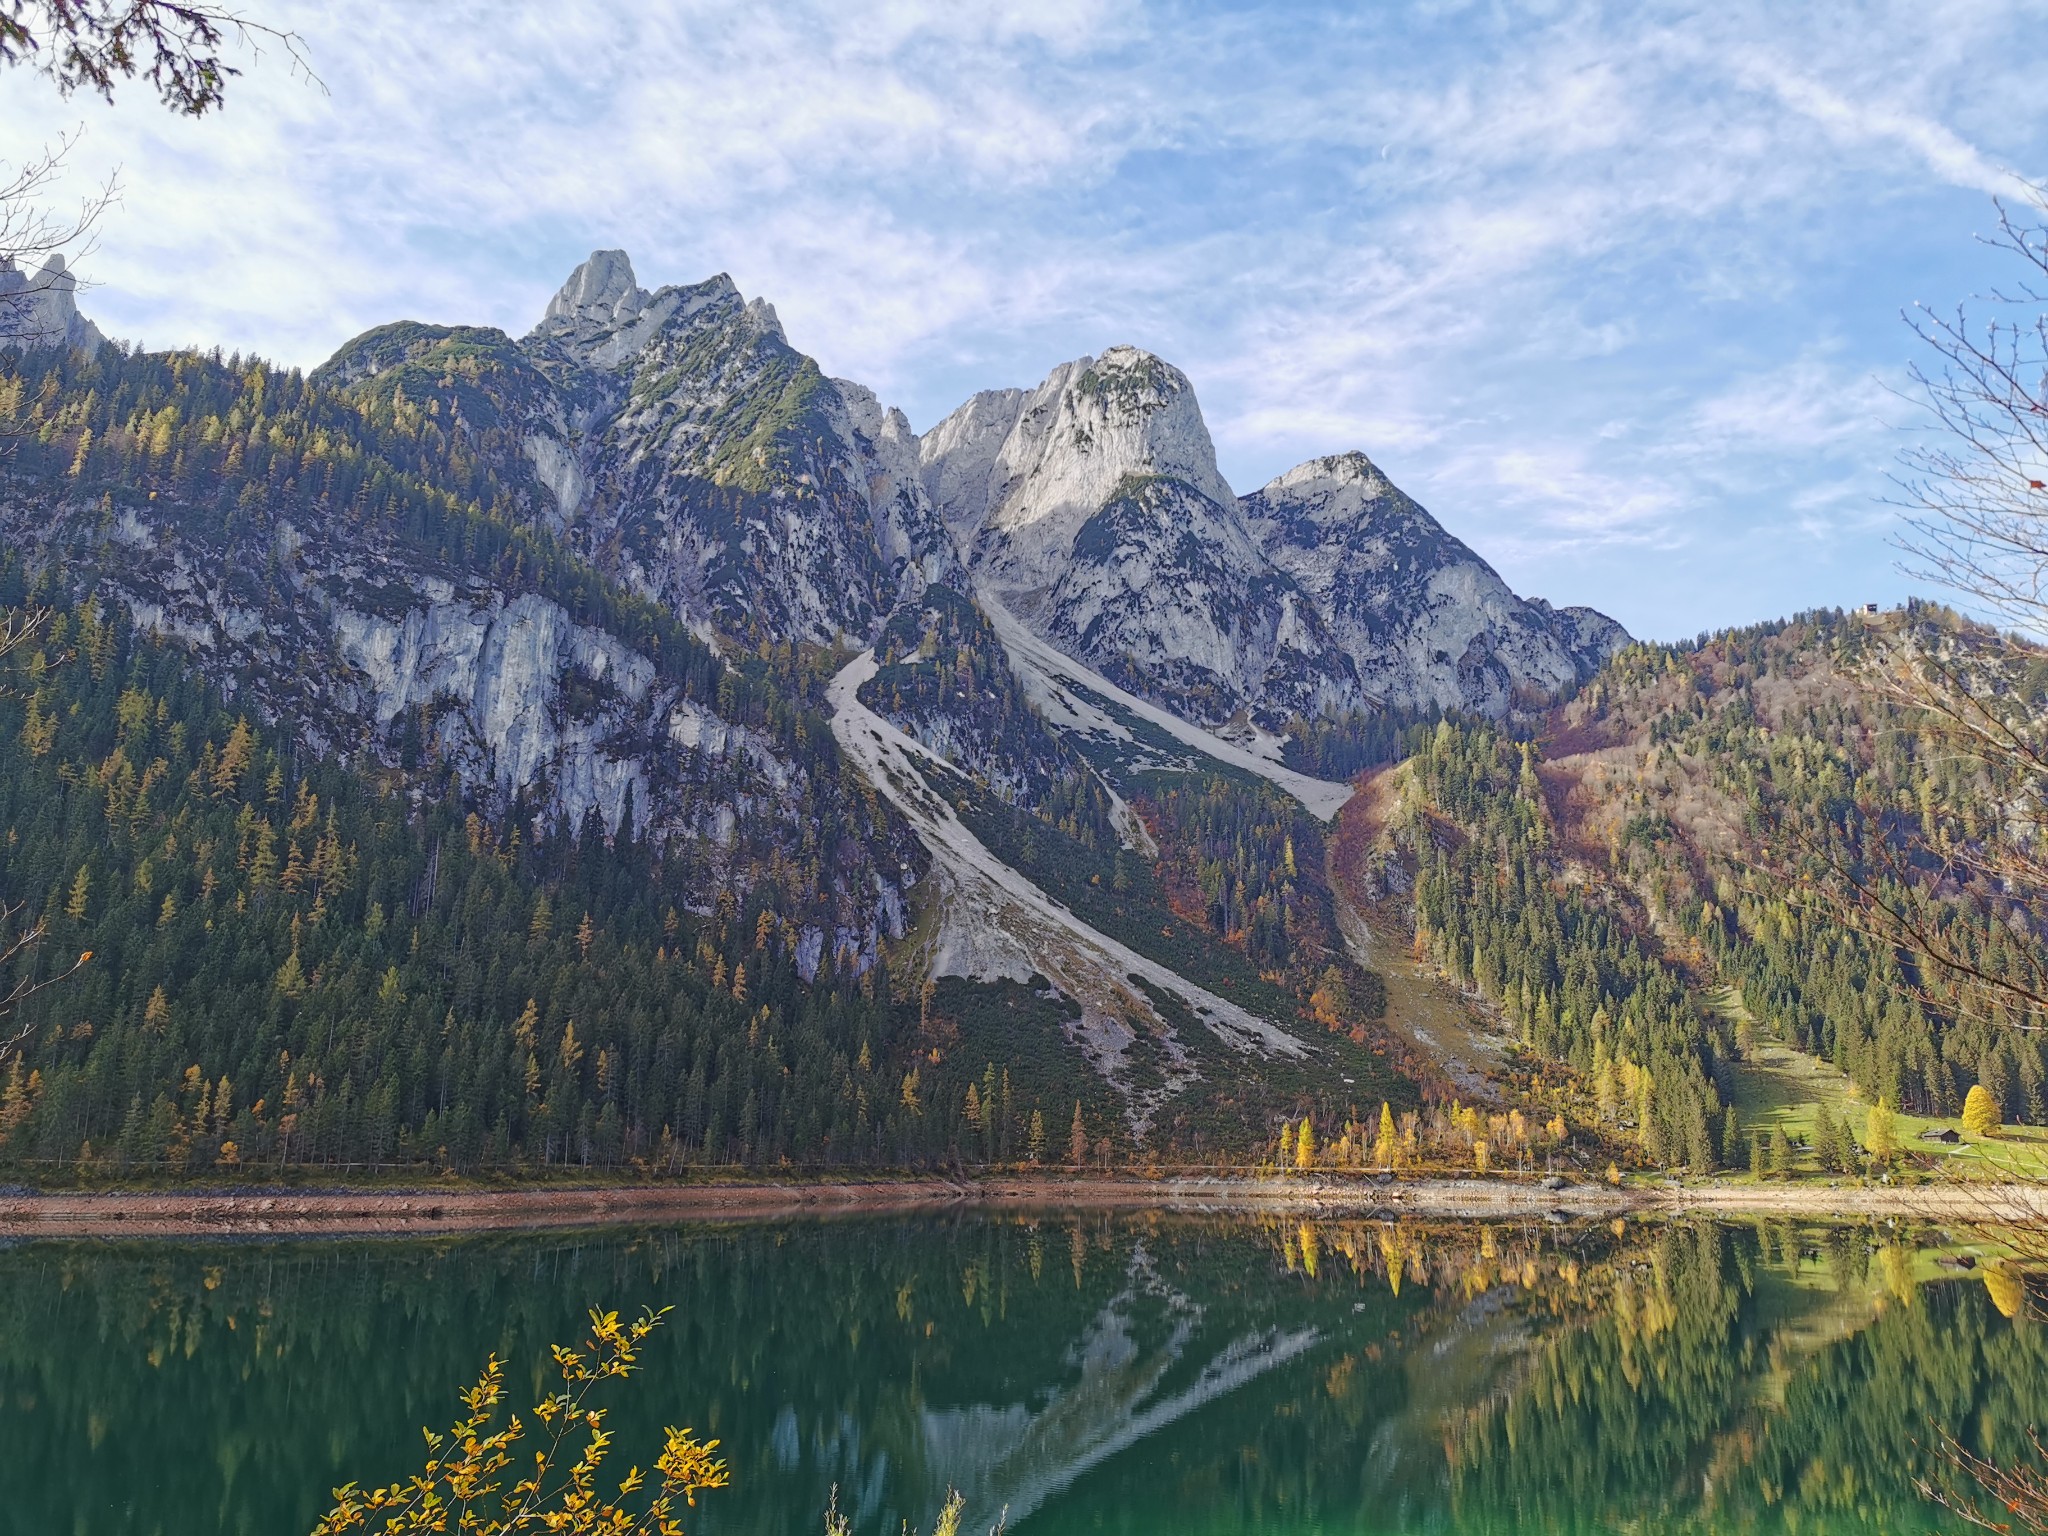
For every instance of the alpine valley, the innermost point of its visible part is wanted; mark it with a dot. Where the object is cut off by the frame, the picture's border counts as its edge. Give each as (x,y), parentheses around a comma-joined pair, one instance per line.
(624,745)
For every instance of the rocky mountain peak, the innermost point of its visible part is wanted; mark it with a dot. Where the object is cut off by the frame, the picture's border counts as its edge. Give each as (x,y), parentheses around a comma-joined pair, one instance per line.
(42,310)
(1335,489)
(1424,620)
(601,291)
(601,318)
(1017,473)
(761,314)
(1092,508)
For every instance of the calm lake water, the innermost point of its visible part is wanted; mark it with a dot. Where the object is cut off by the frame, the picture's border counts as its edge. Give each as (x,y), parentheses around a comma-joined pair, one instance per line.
(1098,1374)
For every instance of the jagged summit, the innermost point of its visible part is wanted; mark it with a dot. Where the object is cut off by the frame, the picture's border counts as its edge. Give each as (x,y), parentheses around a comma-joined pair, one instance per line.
(601,291)
(1422,618)
(602,319)
(42,310)
(677,438)
(1093,508)
(1333,489)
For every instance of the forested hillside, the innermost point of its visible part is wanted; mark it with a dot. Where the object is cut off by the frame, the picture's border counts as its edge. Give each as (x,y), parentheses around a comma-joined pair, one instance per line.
(1495,906)
(290,964)
(372,876)
(1688,823)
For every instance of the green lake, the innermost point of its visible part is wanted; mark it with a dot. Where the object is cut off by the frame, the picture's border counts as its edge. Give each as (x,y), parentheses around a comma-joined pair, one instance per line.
(1088,1374)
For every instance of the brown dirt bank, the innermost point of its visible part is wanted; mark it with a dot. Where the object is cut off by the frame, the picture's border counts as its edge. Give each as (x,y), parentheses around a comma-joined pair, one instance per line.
(177,1213)
(375,1212)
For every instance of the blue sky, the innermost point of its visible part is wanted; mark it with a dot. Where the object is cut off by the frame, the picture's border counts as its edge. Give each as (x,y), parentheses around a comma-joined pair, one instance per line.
(1615,291)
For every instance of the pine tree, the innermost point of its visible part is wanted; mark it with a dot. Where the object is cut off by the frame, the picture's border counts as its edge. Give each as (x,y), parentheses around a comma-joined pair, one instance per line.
(1077,1139)
(1824,1138)
(1036,1144)
(1781,1153)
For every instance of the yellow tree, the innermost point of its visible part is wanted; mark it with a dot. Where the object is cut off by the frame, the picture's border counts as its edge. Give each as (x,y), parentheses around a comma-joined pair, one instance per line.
(1881,1132)
(1981,1116)
(1387,1145)
(1305,1146)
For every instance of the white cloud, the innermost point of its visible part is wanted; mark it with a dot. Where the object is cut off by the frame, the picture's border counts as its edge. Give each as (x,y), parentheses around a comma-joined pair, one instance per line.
(1805,404)
(1939,148)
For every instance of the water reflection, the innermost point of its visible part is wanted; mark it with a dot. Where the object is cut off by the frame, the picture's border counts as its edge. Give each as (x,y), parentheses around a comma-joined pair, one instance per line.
(1008,1461)
(1131,1376)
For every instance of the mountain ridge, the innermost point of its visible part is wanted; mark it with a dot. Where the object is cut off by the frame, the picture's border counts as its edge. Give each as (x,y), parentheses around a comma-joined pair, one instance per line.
(646,589)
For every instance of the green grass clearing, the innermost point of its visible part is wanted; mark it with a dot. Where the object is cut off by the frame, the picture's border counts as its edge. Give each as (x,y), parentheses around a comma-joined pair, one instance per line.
(1783,1088)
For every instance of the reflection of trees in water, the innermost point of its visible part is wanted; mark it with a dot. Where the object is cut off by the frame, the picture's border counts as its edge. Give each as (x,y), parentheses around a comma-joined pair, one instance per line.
(1174,1376)
(1745,1378)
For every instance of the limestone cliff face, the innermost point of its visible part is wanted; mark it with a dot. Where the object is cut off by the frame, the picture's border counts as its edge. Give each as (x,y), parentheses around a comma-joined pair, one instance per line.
(446,679)
(40,309)
(1093,509)
(1422,618)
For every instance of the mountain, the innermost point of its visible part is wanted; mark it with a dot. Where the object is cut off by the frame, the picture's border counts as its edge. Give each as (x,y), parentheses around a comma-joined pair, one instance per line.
(347,567)
(641,637)
(1651,891)
(42,310)
(680,444)
(1424,621)
(1092,508)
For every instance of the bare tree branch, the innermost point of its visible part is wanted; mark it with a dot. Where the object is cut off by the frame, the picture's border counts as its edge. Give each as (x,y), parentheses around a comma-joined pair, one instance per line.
(37,246)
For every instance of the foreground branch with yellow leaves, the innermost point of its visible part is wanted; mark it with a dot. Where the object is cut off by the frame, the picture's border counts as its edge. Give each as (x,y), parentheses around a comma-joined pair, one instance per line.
(469,1484)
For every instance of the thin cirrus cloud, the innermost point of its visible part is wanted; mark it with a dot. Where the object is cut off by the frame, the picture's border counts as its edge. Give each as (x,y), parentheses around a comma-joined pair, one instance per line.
(1612,288)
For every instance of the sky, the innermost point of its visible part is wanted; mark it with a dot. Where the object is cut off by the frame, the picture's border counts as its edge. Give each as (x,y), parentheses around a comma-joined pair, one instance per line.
(1616,291)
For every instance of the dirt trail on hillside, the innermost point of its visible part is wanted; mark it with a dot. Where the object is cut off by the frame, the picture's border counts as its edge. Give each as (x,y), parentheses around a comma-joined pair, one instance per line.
(1422,1008)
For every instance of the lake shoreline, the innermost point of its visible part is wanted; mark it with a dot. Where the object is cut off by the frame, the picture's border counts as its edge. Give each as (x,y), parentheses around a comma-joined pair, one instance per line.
(370,1212)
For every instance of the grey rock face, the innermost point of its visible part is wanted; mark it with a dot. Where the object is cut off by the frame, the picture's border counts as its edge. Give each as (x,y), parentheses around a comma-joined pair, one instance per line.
(737,484)
(1422,618)
(362,647)
(1092,508)
(41,310)
(679,443)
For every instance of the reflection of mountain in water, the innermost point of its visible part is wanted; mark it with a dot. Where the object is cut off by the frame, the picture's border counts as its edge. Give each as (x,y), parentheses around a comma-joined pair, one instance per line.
(1015,1457)
(1700,1380)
